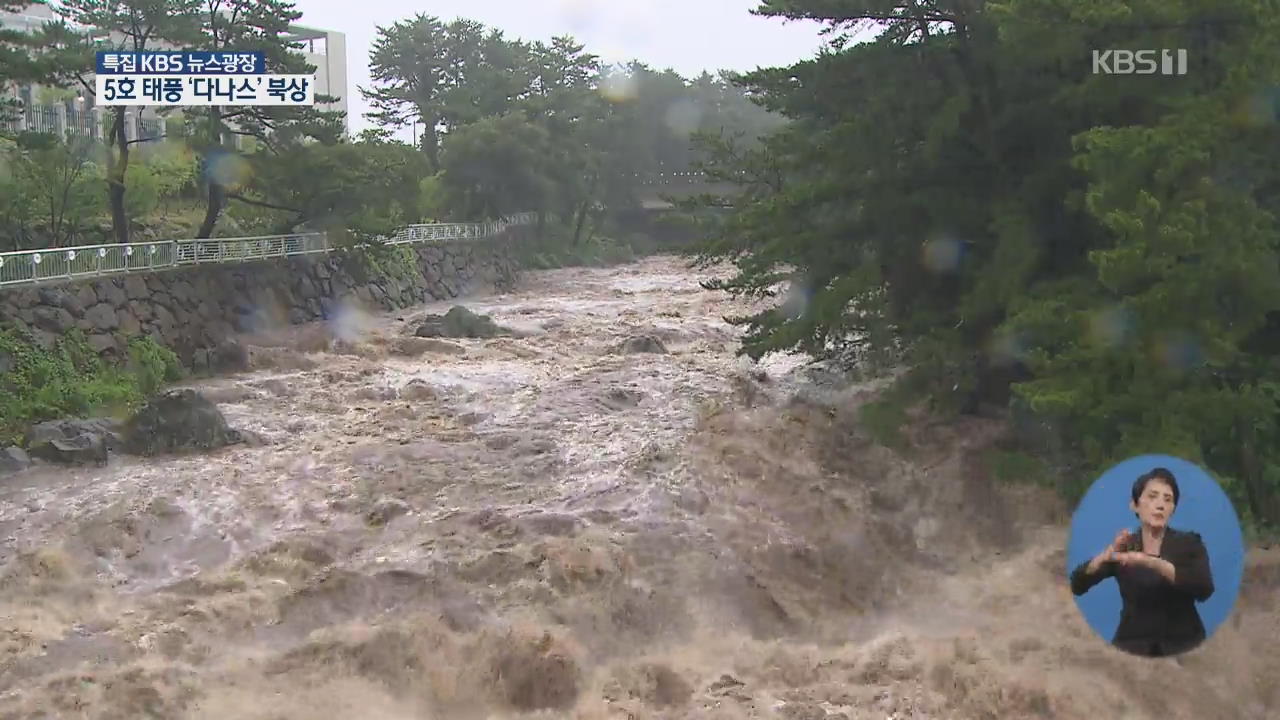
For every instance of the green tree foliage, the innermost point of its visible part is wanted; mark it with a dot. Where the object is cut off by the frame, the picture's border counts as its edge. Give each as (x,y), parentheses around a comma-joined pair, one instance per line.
(173,164)
(262,26)
(50,190)
(443,75)
(132,25)
(367,188)
(497,167)
(160,175)
(144,191)
(963,195)
(508,125)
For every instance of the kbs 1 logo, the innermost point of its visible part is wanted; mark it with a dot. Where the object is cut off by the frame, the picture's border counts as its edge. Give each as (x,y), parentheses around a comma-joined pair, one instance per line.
(1139,62)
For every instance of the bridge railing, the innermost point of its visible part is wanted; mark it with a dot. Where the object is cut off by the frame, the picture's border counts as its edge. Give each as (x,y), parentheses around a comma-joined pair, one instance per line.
(47,265)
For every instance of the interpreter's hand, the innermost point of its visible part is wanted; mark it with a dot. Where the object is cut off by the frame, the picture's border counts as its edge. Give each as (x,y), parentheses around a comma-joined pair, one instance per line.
(1108,554)
(1120,545)
(1135,559)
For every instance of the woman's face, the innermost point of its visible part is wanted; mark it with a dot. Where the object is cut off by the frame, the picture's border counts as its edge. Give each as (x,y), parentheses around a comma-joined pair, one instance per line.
(1155,504)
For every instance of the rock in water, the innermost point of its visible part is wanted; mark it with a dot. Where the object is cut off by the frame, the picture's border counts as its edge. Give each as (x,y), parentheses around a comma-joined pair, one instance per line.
(432,326)
(83,449)
(74,442)
(229,357)
(417,390)
(177,421)
(108,429)
(459,322)
(643,344)
(415,346)
(386,510)
(13,460)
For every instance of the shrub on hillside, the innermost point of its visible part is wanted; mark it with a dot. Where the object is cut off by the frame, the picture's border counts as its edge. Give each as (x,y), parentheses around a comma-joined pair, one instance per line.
(71,380)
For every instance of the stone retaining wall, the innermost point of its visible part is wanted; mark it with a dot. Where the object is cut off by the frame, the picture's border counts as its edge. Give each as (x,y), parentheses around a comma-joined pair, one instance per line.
(193,310)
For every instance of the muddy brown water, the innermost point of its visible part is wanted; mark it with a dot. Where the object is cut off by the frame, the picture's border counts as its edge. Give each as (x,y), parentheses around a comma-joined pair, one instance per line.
(543,526)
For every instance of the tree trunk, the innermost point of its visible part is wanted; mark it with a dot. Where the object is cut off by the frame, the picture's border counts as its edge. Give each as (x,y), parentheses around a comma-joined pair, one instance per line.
(119,163)
(582,220)
(217,194)
(1262,504)
(431,146)
(217,200)
(595,221)
(585,208)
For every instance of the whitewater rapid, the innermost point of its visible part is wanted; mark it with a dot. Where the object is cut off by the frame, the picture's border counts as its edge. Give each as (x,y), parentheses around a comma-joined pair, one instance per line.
(548,525)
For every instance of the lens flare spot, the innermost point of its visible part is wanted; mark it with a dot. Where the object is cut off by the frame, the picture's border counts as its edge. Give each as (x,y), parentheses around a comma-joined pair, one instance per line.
(1007,348)
(349,322)
(619,86)
(1111,327)
(229,170)
(796,300)
(942,255)
(1259,109)
(1179,352)
(263,316)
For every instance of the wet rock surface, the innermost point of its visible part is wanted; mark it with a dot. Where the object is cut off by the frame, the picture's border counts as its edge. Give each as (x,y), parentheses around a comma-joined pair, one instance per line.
(178,421)
(459,322)
(642,344)
(555,530)
(74,442)
(13,459)
(230,356)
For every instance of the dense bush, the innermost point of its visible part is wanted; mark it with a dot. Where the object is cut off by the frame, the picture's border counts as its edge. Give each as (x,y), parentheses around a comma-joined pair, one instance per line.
(71,380)
(556,249)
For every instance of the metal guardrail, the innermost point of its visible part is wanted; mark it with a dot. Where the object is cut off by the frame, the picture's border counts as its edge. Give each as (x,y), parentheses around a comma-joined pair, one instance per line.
(62,119)
(48,265)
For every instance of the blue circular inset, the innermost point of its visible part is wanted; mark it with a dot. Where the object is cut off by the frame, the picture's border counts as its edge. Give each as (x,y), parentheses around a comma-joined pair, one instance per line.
(1202,508)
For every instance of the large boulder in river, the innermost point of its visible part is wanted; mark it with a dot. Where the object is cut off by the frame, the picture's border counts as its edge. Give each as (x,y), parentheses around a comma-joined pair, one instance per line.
(459,322)
(74,442)
(178,421)
(13,459)
(229,357)
(642,344)
(416,346)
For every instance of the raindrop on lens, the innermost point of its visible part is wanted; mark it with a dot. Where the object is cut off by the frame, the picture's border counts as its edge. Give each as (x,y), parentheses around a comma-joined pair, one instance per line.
(942,255)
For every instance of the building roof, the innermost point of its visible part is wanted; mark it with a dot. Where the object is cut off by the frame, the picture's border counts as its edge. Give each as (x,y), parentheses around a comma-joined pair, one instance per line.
(302,32)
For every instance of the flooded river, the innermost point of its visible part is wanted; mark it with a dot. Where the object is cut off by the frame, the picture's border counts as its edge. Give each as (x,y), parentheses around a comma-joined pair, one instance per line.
(555,525)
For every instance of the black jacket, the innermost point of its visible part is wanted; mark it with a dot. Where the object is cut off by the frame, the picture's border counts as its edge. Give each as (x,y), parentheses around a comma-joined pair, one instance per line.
(1158,618)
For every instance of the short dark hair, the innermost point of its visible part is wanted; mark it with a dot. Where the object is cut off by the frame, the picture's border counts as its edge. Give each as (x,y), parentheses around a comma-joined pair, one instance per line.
(1161,474)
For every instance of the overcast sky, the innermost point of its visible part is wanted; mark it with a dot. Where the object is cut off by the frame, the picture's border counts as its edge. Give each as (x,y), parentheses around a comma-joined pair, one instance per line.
(688,36)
